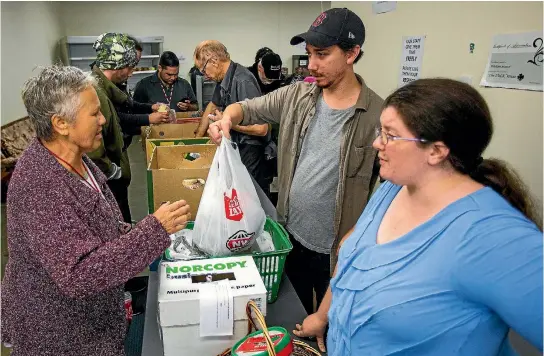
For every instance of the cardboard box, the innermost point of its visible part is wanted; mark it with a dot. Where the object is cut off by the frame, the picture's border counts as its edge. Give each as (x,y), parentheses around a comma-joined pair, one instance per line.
(187,114)
(152,143)
(169,167)
(187,120)
(164,131)
(179,302)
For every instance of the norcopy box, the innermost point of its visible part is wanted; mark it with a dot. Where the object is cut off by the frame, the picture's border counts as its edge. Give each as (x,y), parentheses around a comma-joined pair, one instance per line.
(179,302)
(169,170)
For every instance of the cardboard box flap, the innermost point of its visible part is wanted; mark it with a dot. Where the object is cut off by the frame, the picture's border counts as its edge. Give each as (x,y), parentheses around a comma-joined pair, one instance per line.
(172,185)
(178,157)
(184,130)
(179,296)
(188,114)
(153,142)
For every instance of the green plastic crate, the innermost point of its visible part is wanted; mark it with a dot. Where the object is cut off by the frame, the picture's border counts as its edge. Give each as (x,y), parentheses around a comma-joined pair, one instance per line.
(270,264)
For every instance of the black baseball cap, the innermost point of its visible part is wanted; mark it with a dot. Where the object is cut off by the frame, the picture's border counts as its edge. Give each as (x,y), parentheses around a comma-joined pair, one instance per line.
(332,27)
(271,63)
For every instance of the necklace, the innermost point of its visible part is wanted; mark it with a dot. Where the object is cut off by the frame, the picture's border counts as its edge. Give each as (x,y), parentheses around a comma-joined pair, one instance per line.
(168,97)
(122,226)
(92,184)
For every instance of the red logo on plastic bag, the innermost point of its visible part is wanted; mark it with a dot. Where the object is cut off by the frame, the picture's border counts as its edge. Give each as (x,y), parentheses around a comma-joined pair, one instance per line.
(319,20)
(233,211)
(239,240)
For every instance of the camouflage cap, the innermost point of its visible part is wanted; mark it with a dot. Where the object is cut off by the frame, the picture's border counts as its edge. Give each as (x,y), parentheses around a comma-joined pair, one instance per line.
(115,51)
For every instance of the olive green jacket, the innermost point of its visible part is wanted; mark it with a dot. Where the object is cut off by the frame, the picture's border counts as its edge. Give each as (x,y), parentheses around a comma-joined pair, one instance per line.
(111,149)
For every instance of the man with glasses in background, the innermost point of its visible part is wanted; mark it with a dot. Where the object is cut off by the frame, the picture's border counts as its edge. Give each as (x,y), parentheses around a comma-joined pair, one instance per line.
(234,83)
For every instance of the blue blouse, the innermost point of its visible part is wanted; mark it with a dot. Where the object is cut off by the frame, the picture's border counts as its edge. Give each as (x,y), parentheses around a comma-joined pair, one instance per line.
(452,286)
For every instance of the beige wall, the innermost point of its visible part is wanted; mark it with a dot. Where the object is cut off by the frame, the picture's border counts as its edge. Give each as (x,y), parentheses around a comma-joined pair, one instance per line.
(243,27)
(450,28)
(30,31)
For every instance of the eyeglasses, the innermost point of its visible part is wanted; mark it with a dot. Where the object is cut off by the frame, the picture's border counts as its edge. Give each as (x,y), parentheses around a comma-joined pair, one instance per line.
(385,137)
(203,70)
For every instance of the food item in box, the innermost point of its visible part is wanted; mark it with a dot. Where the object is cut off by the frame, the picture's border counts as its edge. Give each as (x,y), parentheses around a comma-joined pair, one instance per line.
(172,115)
(163,108)
(192,156)
(194,183)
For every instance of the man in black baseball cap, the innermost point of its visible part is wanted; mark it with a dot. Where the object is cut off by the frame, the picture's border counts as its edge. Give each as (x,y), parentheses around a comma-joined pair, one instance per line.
(326,165)
(267,70)
(333,30)
(333,27)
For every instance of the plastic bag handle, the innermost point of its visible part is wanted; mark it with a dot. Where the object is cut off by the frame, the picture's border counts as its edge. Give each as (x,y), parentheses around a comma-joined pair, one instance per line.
(227,159)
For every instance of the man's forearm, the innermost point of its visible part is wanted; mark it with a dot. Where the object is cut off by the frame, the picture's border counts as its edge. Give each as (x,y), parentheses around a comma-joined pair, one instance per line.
(253,130)
(204,121)
(235,112)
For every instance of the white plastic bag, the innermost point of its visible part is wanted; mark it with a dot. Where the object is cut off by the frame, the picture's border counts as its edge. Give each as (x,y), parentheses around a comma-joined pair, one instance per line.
(230,215)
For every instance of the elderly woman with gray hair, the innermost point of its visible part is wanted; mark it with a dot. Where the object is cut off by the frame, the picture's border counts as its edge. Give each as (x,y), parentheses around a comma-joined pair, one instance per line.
(70,252)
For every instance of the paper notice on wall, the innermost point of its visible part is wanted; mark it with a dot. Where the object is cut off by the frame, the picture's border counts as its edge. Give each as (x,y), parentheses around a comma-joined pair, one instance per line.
(412,57)
(381,7)
(182,58)
(515,62)
(216,309)
(300,48)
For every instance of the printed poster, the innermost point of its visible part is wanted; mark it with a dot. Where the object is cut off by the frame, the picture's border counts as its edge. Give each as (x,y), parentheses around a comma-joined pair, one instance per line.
(515,62)
(412,56)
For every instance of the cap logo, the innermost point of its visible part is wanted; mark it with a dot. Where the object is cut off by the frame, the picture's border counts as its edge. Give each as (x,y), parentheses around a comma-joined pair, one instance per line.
(351,35)
(275,68)
(319,20)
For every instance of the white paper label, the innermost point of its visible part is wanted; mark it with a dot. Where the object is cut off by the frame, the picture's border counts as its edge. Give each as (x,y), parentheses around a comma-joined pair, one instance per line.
(216,309)
(380,7)
(515,62)
(412,56)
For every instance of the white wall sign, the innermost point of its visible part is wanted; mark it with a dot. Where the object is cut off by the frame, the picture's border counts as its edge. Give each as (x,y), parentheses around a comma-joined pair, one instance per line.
(515,62)
(410,62)
(182,58)
(380,7)
(300,48)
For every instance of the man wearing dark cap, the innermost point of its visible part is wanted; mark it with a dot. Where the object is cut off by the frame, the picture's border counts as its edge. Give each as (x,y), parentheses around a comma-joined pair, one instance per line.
(267,70)
(326,163)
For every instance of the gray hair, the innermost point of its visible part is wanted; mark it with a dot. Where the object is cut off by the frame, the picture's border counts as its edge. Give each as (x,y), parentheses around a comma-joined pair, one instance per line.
(55,91)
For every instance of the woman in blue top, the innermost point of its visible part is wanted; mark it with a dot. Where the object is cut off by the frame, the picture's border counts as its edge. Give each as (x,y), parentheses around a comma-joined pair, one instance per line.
(447,255)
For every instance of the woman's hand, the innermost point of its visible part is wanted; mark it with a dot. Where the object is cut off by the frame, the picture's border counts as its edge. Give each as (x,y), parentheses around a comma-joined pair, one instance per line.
(313,326)
(173,216)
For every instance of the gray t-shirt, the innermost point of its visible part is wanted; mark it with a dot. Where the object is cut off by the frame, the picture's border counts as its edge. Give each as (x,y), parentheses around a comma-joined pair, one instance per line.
(313,191)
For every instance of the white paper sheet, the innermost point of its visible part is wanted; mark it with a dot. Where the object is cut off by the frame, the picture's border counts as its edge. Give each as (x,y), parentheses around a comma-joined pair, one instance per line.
(380,7)
(216,309)
(300,48)
(515,62)
(412,57)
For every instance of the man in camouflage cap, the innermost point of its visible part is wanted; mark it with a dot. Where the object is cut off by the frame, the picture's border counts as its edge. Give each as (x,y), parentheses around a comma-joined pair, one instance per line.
(116,58)
(115,51)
